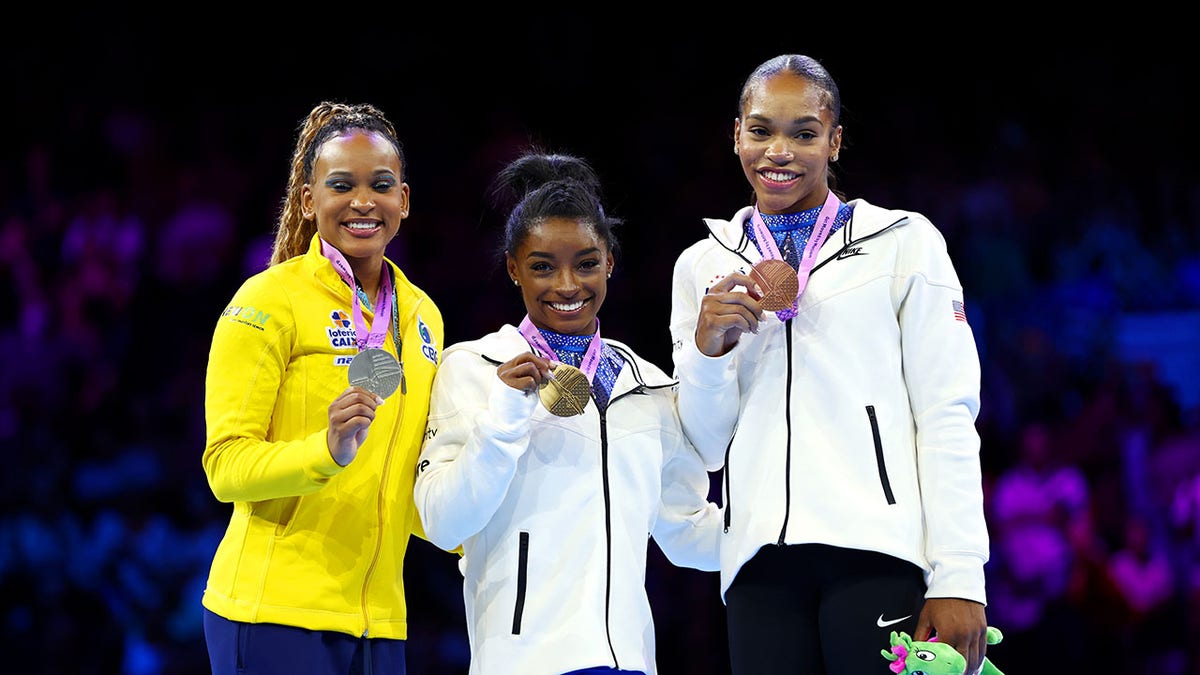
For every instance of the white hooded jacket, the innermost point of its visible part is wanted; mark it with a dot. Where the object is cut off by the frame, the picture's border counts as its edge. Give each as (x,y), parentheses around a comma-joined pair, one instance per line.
(853,424)
(554,514)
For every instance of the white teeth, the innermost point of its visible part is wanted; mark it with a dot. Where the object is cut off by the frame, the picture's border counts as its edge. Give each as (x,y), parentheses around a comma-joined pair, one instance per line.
(362,226)
(778,176)
(566,307)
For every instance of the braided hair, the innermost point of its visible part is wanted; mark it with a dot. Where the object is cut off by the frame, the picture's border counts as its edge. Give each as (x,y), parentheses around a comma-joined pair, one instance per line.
(327,120)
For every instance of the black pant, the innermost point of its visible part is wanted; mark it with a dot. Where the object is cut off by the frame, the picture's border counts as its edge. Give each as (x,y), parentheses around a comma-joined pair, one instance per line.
(812,609)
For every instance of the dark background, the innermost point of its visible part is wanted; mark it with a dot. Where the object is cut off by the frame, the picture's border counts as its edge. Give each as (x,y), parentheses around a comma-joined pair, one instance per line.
(146,157)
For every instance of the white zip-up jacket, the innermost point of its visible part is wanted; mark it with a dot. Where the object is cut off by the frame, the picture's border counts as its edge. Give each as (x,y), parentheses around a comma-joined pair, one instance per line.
(554,514)
(853,424)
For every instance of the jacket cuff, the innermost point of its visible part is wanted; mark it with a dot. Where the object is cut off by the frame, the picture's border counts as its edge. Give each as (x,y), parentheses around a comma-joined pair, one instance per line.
(320,460)
(704,371)
(511,410)
(963,578)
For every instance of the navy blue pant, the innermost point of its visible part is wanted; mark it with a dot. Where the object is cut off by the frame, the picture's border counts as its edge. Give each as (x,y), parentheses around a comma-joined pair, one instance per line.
(236,648)
(811,609)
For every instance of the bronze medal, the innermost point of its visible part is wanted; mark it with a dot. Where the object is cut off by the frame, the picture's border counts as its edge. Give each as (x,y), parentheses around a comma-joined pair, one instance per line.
(376,371)
(778,282)
(567,391)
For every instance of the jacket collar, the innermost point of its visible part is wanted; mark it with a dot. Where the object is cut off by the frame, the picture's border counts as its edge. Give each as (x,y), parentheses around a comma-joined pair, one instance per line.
(507,342)
(868,221)
(327,275)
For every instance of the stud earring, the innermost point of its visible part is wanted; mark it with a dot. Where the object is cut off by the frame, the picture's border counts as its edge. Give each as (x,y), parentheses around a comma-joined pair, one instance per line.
(834,158)
(516,283)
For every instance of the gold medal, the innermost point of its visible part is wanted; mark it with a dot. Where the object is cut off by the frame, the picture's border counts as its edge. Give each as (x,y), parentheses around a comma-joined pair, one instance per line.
(376,371)
(778,282)
(567,391)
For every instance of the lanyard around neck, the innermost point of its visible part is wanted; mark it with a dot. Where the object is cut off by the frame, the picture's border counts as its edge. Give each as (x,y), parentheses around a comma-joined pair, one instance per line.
(821,230)
(591,358)
(383,302)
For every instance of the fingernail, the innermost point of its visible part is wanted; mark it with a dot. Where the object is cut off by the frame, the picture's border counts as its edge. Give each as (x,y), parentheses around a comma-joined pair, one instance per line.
(378,400)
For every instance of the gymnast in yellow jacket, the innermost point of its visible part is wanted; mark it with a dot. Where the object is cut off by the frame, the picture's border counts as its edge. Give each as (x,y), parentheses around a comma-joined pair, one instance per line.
(316,399)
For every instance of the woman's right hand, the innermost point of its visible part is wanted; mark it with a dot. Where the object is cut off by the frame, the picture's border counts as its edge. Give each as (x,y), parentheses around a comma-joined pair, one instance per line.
(350,415)
(525,372)
(725,314)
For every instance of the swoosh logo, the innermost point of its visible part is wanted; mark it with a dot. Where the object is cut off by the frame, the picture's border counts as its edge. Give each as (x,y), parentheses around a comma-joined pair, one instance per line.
(884,624)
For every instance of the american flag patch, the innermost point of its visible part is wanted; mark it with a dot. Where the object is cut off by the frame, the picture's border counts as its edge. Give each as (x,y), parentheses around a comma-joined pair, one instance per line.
(960,312)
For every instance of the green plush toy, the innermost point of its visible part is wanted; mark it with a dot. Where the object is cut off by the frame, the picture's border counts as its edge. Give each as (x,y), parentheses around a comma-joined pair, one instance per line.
(930,657)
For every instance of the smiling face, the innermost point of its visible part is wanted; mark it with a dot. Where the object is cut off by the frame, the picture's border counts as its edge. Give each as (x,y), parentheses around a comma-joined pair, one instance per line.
(357,197)
(785,138)
(562,267)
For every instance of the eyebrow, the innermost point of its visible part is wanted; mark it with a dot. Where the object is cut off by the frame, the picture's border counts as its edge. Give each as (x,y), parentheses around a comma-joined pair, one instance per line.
(377,172)
(580,254)
(799,120)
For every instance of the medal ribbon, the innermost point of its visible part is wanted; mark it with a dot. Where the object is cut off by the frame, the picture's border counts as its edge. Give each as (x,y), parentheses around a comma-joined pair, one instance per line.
(820,231)
(591,358)
(383,303)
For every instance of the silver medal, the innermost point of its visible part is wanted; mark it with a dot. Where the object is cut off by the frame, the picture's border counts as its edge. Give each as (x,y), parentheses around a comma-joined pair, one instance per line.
(376,371)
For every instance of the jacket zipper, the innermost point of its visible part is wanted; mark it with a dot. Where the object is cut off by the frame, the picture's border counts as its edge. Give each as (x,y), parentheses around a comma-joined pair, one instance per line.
(380,507)
(787,416)
(607,532)
(608,514)
(883,475)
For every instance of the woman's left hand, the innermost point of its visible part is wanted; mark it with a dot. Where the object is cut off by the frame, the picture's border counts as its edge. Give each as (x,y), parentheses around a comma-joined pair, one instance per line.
(959,623)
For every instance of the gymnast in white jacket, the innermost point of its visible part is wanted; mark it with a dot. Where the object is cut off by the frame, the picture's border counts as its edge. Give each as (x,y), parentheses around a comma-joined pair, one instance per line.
(828,369)
(554,510)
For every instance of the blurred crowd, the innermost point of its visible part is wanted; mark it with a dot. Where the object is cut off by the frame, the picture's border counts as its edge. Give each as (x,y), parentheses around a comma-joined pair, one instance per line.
(120,244)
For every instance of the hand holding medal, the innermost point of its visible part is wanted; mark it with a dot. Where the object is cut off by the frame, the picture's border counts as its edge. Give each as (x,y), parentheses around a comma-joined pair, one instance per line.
(350,417)
(563,389)
(728,309)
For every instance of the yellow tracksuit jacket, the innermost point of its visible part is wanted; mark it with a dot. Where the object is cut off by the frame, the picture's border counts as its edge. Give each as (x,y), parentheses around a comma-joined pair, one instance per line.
(309,543)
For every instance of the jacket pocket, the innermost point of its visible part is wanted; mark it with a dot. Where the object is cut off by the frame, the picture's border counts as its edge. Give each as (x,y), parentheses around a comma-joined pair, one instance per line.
(728,485)
(285,514)
(879,462)
(522,581)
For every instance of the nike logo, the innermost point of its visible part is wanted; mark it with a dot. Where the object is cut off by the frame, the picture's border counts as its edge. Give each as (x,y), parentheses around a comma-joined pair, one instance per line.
(884,624)
(846,253)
